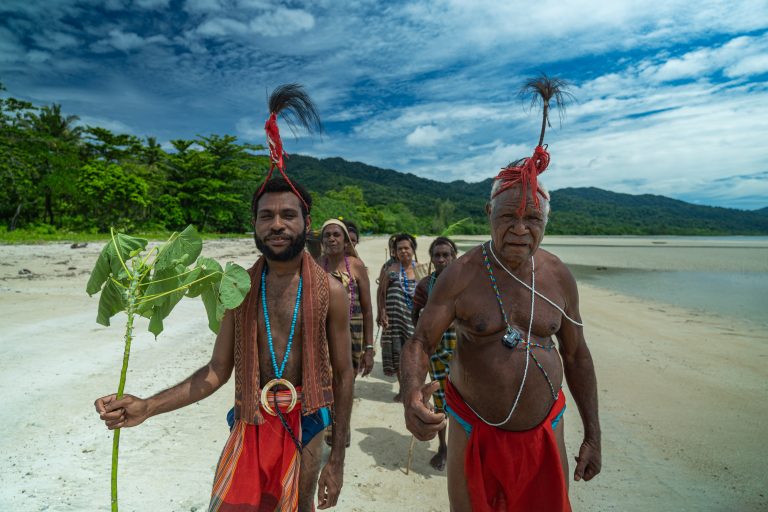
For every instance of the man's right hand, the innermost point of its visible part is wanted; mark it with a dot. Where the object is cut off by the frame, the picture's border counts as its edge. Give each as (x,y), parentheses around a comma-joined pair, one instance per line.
(420,419)
(129,411)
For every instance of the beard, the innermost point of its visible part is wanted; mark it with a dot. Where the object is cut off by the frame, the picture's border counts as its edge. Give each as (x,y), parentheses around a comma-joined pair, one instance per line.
(295,248)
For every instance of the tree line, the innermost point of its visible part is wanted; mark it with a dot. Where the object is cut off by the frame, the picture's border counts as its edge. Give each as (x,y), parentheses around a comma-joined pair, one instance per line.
(57,174)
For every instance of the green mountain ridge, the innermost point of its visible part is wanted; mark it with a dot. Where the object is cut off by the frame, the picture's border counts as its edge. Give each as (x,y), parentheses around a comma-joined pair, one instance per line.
(576,211)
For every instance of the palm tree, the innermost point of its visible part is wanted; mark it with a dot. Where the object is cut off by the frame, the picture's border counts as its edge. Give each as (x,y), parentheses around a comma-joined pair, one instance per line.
(542,89)
(60,139)
(52,123)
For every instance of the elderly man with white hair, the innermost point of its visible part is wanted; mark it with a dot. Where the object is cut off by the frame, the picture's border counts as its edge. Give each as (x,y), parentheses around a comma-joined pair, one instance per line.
(508,300)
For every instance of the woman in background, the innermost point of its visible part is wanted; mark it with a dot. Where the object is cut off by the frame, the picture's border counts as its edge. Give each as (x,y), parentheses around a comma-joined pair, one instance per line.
(398,284)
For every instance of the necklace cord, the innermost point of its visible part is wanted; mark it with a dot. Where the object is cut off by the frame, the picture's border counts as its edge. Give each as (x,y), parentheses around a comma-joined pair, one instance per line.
(574,322)
(289,345)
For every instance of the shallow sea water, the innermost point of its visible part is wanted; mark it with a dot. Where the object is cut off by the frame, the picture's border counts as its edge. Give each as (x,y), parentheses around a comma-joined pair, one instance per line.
(717,275)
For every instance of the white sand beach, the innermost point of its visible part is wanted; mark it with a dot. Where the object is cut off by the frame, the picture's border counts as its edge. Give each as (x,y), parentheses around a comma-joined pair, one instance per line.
(682,397)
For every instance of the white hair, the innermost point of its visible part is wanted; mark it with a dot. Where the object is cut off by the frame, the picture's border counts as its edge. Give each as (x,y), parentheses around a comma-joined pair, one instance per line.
(543,197)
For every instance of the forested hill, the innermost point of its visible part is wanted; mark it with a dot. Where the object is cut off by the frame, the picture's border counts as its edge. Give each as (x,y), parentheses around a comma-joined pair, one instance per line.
(58,176)
(383,187)
(578,211)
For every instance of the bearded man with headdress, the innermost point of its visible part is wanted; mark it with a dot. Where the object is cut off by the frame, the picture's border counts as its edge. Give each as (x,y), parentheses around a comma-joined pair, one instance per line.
(288,344)
(507,299)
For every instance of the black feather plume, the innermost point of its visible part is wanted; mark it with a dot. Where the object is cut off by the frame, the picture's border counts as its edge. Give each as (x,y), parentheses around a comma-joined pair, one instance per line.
(541,90)
(293,104)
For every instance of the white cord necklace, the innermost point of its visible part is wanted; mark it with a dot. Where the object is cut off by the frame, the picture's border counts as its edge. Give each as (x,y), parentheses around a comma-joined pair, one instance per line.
(527,352)
(574,322)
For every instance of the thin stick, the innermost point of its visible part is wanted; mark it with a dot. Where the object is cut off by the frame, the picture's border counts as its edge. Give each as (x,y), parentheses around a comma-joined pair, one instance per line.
(410,455)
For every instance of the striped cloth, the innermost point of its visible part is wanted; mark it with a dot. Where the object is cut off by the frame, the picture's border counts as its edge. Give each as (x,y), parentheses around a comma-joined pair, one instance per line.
(439,366)
(400,328)
(259,467)
(355,318)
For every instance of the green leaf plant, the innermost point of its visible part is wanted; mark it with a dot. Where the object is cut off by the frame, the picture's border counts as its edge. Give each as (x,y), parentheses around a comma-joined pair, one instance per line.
(150,284)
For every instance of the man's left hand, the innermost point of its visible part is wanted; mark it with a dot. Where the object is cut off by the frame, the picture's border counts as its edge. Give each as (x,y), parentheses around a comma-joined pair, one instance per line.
(367,363)
(329,485)
(588,462)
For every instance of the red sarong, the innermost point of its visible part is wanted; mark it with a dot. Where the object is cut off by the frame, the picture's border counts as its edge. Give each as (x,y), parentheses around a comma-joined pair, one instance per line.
(512,471)
(259,467)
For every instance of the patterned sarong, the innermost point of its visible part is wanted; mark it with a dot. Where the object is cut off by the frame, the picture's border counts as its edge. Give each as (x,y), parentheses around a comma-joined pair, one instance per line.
(400,328)
(355,318)
(511,470)
(439,366)
(259,467)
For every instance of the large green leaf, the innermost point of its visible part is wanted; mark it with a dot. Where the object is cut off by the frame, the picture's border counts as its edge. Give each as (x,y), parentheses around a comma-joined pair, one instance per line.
(109,263)
(168,283)
(111,302)
(156,324)
(213,307)
(210,273)
(234,286)
(183,249)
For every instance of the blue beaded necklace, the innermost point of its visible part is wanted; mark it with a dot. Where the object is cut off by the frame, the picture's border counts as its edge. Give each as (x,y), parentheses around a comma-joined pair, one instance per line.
(404,285)
(278,371)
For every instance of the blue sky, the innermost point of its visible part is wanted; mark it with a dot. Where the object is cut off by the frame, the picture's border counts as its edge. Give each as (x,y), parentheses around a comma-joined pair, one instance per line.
(672,96)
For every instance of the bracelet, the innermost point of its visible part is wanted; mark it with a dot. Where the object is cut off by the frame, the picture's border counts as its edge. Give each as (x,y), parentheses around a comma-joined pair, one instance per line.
(369,347)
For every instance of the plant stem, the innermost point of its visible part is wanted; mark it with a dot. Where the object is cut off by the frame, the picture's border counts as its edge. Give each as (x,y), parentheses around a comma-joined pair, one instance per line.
(545,113)
(130,311)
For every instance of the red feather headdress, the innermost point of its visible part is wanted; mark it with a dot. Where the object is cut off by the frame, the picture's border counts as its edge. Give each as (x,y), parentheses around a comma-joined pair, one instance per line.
(294,105)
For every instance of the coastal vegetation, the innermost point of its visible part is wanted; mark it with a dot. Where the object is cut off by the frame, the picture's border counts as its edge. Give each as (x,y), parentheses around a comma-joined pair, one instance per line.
(60,179)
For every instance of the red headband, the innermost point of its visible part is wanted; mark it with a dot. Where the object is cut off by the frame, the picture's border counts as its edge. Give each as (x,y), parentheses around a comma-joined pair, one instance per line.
(526,175)
(276,153)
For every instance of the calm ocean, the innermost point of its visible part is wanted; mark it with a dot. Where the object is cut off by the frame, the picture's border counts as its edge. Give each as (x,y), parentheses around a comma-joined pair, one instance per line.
(741,295)
(719,275)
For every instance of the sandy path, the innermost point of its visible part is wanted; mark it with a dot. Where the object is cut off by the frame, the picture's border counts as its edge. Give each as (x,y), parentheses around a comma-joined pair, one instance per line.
(682,404)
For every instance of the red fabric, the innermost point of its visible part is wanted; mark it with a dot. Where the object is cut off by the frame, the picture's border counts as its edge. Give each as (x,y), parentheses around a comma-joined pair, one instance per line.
(276,154)
(512,471)
(260,465)
(274,142)
(526,175)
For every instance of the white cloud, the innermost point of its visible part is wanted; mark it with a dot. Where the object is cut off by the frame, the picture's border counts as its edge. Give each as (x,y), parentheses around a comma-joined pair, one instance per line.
(273,23)
(741,56)
(748,66)
(282,22)
(103,122)
(250,129)
(426,136)
(54,40)
(37,56)
(221,27)
(126,41)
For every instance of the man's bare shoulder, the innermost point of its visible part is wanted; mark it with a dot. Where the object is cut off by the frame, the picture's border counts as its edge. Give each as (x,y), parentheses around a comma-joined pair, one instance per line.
(460,274)
(554,266)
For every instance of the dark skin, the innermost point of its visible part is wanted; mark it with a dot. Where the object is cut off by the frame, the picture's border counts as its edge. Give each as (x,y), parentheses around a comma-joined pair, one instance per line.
(334,245)
(442,255)
(278,221)
(488,374)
